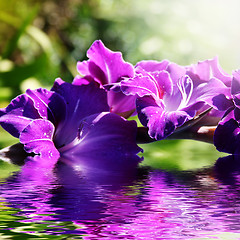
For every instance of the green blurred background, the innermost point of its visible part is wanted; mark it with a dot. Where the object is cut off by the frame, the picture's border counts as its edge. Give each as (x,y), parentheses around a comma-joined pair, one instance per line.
(41,40)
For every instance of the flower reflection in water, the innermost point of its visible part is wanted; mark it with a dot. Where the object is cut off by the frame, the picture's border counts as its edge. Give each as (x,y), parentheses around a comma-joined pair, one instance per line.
(124,201)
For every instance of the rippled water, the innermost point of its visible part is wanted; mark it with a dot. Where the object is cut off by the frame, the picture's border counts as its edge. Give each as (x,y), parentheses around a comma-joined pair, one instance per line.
(143,203)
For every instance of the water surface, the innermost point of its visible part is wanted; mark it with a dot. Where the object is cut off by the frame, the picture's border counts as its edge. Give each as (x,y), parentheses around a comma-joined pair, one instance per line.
(141,202)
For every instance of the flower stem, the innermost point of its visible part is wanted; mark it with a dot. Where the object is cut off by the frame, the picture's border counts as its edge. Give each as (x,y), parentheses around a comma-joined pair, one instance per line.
(198,133)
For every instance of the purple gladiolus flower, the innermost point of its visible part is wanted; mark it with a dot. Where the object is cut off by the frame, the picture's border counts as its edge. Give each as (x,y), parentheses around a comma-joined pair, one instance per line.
(68,120)
(168,95)
(227,133)
(106,68)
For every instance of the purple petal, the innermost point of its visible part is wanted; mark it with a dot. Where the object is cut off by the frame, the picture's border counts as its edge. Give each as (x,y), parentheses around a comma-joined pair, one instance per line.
(235,88)
(221,102)
(120,104)
(50,105)
(156,84)
(37,138)
(104,65)
(211,93)
(205,70)
(153,66)
(218,72)
(180,96)
(82,101)
(226,135)
(161,123)
(237,114)
(104,135)
(176,72)
(78,80)
(18,114)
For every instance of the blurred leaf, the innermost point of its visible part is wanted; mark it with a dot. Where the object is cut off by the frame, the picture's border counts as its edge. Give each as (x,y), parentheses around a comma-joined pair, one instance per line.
(12,44)
(14,77)
(5,93)
(41,38)
(6,139)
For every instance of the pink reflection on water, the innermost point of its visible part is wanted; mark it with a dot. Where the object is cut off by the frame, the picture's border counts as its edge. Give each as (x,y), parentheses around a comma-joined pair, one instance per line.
(30,191)
(146,204)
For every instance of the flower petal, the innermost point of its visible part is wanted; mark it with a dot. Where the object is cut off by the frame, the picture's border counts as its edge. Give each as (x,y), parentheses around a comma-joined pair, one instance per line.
(104,135)
(104,65)
(49,104)
(161,123)
(235,88)
(18,114)
(211,93)
(226,135)
(107,67)
(156,84)
(82,101)
(152,65)
(205,70)
(37,138)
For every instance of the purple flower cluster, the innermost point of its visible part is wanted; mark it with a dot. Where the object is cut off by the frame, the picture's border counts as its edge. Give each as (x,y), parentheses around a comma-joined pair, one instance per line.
(89,115)
(227,133)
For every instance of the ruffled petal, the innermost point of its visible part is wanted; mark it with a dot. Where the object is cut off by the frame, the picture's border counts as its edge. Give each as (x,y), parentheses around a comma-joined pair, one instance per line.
(49,104)
(18,114)
(161,123)
(203,71)
(214,93)
(156,84)
(152,65)
(37,138)
(105,65)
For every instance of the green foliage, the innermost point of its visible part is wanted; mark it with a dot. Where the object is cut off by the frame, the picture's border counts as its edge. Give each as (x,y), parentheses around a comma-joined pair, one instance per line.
(43,39)
(179,155)
(6,170)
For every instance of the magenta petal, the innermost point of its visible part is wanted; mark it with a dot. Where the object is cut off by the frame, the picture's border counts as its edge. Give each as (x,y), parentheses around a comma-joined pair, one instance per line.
(37,138)
(210,92)
(226,135)
(218,72)
(176,72)
(156,84)
(78,80)
(120,104)
(205,70)
(50,105)
(181,95)
(18,114)
(104,135)
(82,68)
(161,123)
(105,65)
(235,88)
(82,101)
(153,66)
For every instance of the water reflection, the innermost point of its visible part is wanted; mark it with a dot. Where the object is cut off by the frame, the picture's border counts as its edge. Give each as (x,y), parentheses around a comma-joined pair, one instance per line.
(80,200)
